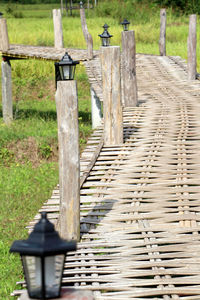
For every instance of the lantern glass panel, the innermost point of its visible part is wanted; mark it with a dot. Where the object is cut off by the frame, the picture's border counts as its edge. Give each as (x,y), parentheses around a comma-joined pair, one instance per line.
(32,272)
(126,26)
(48,285)
(105,42)
(67,72)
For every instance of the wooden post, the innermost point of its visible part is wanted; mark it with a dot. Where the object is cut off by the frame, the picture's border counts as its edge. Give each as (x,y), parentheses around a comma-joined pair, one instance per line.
(112,108)
(61,6)
(87,35)
(192,43)
(129,81)
(162,41)
(7,105)
(4,40)
(96,110)
(69,159)
(58,32)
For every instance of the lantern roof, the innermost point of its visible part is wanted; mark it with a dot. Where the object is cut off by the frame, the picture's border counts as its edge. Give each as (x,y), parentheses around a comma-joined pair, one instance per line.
(125,22)
(67,60)
(44,240)
(105,34)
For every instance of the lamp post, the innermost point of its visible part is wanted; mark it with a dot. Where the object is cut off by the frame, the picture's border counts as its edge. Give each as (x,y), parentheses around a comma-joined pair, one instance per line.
(43,257)
(105,36)
(125,24)
(65,68)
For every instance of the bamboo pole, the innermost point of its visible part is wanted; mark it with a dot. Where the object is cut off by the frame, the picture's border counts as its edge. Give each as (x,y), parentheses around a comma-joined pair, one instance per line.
(69,159)
(7,105)
(58,32)
(4,40)
(129,81)
(191,45)
(162,41)
(112,108)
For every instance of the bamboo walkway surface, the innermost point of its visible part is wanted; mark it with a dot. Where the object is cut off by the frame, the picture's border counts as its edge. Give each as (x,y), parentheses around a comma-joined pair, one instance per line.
(45,53)
(140,204)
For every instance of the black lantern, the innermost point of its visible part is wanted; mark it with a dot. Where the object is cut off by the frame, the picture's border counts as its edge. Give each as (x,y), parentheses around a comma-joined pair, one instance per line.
(43,256)
(105,36)
(125,24)
(65,68)
(1,15)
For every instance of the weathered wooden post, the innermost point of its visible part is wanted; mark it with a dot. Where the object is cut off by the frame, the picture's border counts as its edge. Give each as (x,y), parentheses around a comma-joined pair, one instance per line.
(191,45)
(162,41)
(112,107)
(129,81)
(96,109)
(69,160)
(7,105)
(87,35)
(61,6)
(58,32)
(4,40)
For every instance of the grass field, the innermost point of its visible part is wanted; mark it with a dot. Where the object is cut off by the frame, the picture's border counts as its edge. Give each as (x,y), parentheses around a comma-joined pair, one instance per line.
(28,147)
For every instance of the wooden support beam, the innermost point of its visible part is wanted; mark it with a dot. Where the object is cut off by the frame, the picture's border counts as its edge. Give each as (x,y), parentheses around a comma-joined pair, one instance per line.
(112,107)
(4,40)
(129,81)
(191,45)
(162,41)
(87,35)
(7,105)
(58,32)
(69,159)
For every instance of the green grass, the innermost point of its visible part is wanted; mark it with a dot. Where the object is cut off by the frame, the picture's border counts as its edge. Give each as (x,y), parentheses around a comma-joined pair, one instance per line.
(21,188)
(28,147)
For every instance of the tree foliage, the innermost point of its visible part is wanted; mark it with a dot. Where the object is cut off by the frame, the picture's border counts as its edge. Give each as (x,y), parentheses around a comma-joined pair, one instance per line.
(185,6)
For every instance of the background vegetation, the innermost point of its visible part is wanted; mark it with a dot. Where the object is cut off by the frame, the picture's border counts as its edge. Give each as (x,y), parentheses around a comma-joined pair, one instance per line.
(28,147)
(181,6)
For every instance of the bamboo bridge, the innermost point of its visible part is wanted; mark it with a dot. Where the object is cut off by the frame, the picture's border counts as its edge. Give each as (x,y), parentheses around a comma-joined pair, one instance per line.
(140,200)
